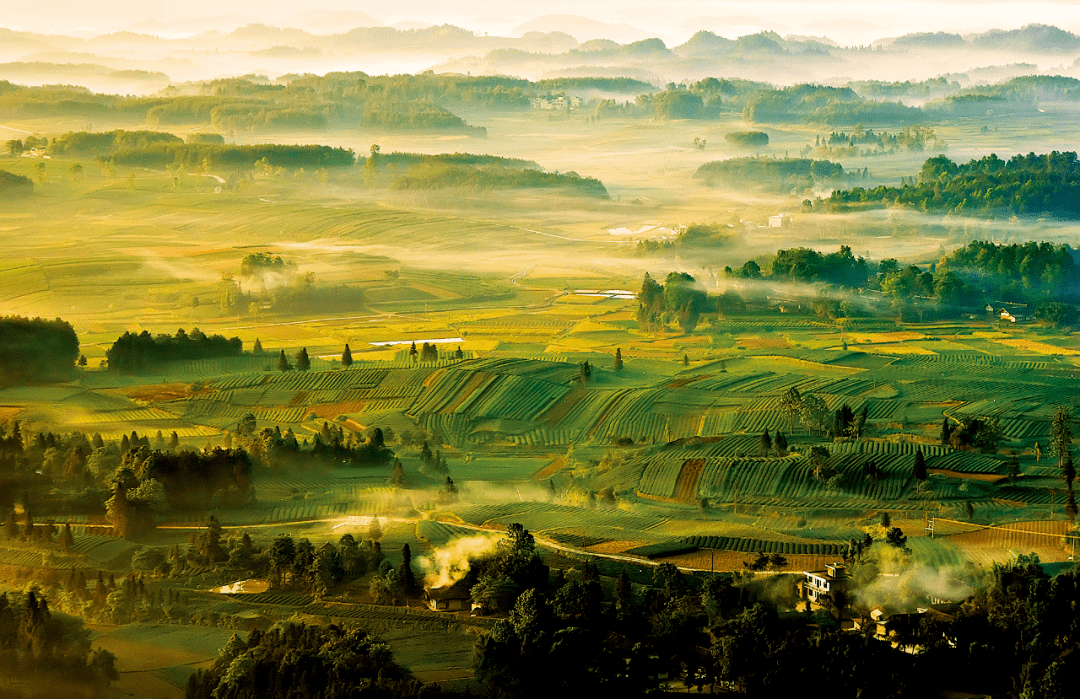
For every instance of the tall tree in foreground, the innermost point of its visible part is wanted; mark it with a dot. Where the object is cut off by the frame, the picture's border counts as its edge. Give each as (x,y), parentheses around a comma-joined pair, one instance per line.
(346,357)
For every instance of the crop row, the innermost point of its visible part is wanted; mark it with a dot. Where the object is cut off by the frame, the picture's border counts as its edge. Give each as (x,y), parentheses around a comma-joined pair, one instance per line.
(282,599)
(542,516)
(787,548)
(966,462)
(517,398)
(542,437)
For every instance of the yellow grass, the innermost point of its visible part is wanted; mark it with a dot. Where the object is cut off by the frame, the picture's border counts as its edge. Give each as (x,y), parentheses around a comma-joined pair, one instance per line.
(877,338)
(893,349)
(1037,347)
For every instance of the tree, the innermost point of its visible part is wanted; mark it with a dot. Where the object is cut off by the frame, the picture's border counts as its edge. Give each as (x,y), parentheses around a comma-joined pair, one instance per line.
(946,432)
(860,421)
(67,539)
(405,574)
(885,521)
(174,441)
(618,360)
(257,348)
(210,543)
(895,537)
(919,468)
(414,356)
(765,443)
(1061,435)
(283,362)
(1069,470)
(11,526)
(397,480)
(790,405)
(1070,506)
(819,461)
(584,372)
(303,362)
(780,444)
(346,357)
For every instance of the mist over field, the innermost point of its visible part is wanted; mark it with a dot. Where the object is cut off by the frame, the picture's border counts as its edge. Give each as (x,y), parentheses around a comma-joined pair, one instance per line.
(405,349)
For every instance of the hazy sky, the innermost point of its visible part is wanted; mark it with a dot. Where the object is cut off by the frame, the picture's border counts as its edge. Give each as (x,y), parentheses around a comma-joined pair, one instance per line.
(847,21)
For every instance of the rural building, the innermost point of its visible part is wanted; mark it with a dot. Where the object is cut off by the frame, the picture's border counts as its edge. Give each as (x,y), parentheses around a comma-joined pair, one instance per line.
(776,221)
(898,627)
(1012,314)
(451,598)
(824,585)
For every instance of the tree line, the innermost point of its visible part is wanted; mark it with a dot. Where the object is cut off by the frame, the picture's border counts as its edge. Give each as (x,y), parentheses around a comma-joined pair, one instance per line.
(36,350)
(134,353)
(163,155)
(679,299)
(1025,184)
(773,173)
(14,186)
(43,653)
(425,176)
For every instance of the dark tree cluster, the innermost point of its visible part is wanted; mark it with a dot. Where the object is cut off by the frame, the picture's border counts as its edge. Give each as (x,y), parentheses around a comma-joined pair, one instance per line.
(162,155)
(748,139)
(979,434)
(298,565)
(14,186)
(485,178)
(149,482)
(1025,184)
(332,445)
(48,653)
(300,295)
(316,662)
(772,173)
(822,104)
(105,142)
(806,264)
(133,353)
(1029,270)
(864,142)
(679,299)
(263,262)
(33,350)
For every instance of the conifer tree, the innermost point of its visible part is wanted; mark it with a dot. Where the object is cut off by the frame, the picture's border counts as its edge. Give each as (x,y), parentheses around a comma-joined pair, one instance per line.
(780,444)
(67,539)
(257,347)
(618,360)
(920,466)
(283,362)
(303,362)
(346,357)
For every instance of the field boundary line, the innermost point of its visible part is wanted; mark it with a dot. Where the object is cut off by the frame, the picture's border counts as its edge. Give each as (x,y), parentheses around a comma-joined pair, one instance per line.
(980,527)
